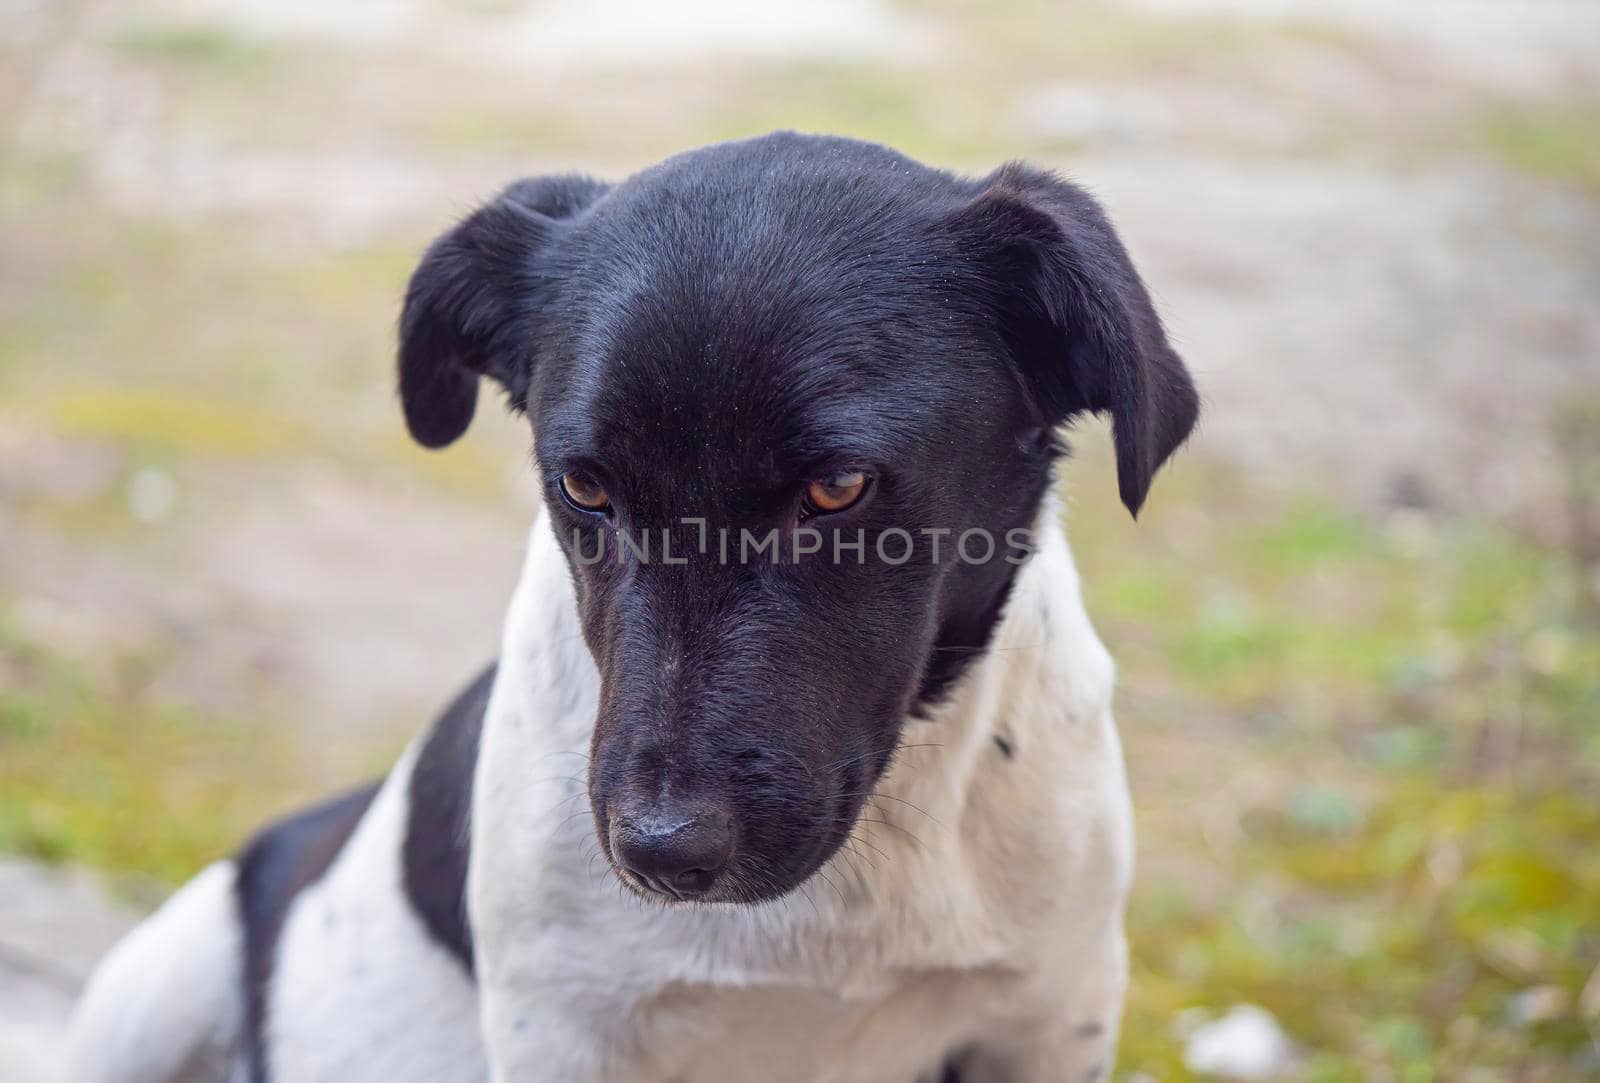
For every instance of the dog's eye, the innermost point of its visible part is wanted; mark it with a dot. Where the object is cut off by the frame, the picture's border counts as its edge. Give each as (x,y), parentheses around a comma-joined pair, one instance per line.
(584,493)
(835,492)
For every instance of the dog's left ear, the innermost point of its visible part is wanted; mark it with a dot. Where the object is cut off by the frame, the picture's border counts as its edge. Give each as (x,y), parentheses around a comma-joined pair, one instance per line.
(1078,320)
(473,302)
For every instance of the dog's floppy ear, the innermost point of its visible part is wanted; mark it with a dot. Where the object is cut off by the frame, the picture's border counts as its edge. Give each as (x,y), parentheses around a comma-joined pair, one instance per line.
(472,301)
(1078,319)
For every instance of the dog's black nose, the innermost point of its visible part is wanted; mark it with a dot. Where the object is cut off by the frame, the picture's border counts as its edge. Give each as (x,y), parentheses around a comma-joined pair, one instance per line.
(677,851)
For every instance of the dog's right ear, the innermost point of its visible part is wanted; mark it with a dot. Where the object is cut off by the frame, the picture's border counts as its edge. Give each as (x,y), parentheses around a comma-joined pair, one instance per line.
(472,301)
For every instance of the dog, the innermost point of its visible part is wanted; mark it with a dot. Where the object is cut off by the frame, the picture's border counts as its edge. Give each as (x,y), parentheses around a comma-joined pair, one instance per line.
(848,808)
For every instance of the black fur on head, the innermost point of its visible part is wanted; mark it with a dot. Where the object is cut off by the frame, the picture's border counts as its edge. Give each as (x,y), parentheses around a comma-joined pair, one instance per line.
(706,338)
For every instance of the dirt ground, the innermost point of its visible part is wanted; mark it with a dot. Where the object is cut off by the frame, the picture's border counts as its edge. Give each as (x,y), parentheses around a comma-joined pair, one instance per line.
(1374,230)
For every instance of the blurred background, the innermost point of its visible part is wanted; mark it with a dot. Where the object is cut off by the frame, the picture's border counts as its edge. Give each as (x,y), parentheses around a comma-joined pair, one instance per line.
(1357,623)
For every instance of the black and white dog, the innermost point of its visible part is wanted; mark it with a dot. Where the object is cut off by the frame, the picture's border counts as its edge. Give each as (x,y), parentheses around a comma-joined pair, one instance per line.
(791,768)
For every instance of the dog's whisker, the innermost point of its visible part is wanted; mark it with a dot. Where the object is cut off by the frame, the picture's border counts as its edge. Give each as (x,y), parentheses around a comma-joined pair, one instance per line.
(889,823)
(578,815)
(806,893)
(796,757)
(875,795)
(561,804)
(823,872)
(846,855)
(565,752)
(571,779)
(985,650)
(848,761)
(854,838)
(593,856)
(564,802)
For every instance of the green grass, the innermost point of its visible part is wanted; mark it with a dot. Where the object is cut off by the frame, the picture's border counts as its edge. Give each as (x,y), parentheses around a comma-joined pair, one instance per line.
(1560,143)
(1385,833)
(1399,939)
(171,425)
(191,45)
(94,771)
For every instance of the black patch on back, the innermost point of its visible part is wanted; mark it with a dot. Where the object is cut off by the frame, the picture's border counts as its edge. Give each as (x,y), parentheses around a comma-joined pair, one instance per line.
(439,823)
(274,868)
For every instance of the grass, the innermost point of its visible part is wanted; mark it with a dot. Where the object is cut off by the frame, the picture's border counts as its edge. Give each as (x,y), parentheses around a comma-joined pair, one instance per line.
(92,352)
(1385,833)
(1400,939)
(169,424)
(93,771)
(1559,143)
(192,45)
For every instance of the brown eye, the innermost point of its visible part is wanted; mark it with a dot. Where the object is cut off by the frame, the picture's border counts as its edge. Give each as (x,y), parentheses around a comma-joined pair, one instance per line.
(835,492)
(584,493)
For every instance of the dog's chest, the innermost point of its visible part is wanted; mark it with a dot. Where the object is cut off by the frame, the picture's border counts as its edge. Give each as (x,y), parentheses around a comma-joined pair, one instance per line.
(898,1031)
(871,991)
(856,991)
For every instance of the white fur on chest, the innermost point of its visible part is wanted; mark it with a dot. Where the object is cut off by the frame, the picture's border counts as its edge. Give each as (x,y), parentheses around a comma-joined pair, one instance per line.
(973,891)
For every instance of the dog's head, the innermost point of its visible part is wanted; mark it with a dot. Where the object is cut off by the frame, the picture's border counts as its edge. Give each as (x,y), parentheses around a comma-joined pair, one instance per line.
(795,401)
